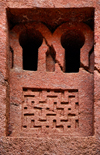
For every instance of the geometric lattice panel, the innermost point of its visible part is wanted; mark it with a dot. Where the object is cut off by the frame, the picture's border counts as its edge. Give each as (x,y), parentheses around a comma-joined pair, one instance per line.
(46,110)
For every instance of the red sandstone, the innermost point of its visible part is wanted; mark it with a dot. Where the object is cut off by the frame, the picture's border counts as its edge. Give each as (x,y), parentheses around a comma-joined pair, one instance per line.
(49,77)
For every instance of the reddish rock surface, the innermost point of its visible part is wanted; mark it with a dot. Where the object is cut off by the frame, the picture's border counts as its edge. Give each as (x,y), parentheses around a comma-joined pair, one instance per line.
(49,77)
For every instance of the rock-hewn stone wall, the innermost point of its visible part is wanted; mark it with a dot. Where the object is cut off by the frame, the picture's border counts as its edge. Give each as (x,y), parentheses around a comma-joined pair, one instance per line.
(49,77)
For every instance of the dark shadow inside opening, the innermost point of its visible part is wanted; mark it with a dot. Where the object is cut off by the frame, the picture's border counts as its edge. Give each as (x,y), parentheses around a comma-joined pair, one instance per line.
(30,40)
(72,41)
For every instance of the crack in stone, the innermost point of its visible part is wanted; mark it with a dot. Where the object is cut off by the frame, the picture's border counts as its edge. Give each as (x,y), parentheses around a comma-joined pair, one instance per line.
(85,68)
(56,61)
(59,65)
(95,68)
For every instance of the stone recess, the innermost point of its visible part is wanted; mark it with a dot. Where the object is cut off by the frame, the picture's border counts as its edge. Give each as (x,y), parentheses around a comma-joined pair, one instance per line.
(49,77)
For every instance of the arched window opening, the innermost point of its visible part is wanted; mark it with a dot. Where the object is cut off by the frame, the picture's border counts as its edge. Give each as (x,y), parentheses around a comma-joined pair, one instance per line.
(30,40)
(72,41)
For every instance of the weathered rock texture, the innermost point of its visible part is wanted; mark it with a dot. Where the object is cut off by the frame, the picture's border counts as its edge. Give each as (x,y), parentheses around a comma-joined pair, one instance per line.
(49,77)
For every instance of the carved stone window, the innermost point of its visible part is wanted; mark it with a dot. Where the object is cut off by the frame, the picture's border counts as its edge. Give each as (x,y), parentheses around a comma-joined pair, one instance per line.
(72,41)
(30,40)
(51,65)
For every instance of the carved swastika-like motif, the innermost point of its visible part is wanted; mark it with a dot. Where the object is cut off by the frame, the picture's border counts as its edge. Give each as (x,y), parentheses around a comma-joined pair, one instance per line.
(50,110)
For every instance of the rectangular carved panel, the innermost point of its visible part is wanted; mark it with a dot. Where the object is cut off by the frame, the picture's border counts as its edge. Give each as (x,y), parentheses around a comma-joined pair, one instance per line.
(48,111)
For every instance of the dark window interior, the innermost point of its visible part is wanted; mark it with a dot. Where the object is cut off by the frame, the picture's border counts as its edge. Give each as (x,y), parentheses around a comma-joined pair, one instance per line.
(72,41)
(30,40)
